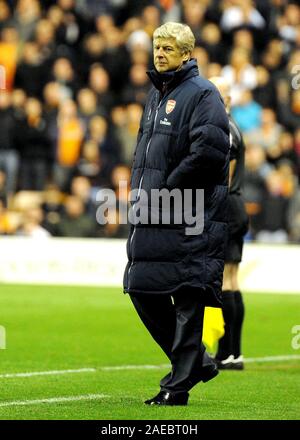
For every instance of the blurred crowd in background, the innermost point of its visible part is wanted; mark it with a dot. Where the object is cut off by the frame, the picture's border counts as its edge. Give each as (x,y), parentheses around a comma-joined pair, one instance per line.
(73,85)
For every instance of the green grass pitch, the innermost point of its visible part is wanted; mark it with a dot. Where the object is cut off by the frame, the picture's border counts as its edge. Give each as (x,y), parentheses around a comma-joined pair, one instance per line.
(63,328)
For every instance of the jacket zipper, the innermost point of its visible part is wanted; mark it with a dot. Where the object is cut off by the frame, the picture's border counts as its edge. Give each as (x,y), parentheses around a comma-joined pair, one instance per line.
(140,187)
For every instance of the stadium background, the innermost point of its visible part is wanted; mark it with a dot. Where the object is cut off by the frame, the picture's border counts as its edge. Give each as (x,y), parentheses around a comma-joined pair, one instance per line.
(73,85)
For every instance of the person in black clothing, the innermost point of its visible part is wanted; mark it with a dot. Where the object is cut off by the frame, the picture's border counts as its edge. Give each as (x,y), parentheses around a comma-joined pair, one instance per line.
(9,158)
(34,147)
(183,144)
(229,355)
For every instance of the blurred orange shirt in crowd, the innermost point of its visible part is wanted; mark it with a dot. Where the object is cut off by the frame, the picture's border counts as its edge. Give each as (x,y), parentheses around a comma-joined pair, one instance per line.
(69,142)
(8,61)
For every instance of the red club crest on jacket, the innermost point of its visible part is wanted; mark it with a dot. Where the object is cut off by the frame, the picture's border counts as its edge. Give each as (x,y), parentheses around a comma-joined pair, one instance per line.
(170,106)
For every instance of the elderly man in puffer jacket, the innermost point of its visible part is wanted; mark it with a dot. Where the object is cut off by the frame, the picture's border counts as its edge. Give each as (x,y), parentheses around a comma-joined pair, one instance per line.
(175,268)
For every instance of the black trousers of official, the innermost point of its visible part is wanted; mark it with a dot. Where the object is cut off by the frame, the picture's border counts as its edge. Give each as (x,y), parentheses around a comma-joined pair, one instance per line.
(176,324)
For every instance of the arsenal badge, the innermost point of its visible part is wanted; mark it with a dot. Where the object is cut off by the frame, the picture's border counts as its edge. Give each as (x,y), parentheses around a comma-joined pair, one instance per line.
(170,106)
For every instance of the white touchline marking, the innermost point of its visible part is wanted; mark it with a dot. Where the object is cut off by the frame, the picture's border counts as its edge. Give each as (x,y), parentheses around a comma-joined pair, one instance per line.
(134,367)
(288,357)
(48,373)
(246,360)
(54,400)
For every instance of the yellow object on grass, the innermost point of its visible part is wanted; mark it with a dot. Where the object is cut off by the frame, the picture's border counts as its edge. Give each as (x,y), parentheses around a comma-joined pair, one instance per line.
(213,327)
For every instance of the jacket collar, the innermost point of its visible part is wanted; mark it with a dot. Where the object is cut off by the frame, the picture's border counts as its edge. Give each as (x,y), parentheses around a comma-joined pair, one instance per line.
(169,80)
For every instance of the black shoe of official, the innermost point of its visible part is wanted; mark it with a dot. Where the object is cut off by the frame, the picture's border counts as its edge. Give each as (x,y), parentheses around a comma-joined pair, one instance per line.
(168,398)
(225,364)
(238,363)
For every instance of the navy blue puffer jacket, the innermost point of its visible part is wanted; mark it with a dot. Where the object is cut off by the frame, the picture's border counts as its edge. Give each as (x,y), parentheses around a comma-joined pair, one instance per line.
(183,143)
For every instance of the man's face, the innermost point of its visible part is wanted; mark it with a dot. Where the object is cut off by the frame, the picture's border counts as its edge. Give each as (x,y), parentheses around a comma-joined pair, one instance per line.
(167,55)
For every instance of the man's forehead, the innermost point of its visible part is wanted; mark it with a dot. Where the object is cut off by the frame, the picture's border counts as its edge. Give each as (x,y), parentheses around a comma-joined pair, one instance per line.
(165,41)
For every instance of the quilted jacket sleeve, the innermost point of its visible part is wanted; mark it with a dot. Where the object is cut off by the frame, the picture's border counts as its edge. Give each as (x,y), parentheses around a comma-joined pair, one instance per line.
(209,139)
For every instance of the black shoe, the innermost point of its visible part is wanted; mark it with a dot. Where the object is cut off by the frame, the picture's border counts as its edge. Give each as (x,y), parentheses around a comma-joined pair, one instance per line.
(208,372)
(167,398)
(225,364)
(238,363)
(204,374)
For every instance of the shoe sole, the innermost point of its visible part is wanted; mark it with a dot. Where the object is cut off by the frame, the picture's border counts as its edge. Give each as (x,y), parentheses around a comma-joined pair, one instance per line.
(237,366)
(165,403)
(225,366)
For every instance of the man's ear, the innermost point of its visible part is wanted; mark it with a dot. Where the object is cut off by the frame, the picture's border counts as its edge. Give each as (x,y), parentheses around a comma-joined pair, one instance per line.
(186,57)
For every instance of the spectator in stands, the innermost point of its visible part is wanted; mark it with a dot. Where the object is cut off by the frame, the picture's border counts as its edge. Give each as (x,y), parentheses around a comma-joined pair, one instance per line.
(9,158)
(9,47)
(120,178)
(75,222)
(92,52)
(241,13)
(63,73)
(214,69)
(268,133)
(32,225)
(264,93)
(151,18)
(56,16)
(288,22)
(113,228)
(273,57)
(286,170)
(104,23)
(297,149)
(126,124)
(211,41)
(31,74)
(247,113)
(202,58)
(240,73)
(138,40)
(116,59)
(70,137)
(69,28)
(53,96)
(256,171)
(34,147)
(243,39)
(5,14)
(93,167)
(45,38)
(5,224)
(170,10)
(52,206)
(289,110)
(26,15)
(81,187)
(99,132)
(138,86)
(273,225)
(193,15)
(99,82)
(287,150)
(3,192)
(18,100)
(87,106)
(293,217)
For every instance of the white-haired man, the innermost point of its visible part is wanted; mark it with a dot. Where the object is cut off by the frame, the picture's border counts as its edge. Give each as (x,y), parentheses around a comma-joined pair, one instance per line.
(183,144)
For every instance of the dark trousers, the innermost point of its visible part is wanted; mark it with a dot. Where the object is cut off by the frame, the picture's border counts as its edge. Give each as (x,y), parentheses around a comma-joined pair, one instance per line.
(176,324)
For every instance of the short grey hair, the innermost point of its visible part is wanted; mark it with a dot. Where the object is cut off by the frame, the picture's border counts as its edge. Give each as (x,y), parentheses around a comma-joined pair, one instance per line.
(182,33)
